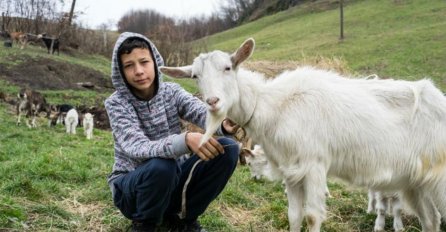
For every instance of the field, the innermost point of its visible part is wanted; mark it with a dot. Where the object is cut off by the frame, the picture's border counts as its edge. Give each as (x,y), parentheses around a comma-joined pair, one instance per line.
(50,181)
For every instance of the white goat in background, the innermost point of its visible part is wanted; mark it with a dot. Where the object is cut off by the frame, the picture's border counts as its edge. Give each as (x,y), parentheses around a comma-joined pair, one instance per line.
(88,124)
(258,164)
(71,121)
(386,135)
(260,167)
(386,203)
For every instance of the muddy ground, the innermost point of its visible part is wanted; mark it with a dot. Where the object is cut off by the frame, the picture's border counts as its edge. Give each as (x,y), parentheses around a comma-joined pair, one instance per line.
(47,74)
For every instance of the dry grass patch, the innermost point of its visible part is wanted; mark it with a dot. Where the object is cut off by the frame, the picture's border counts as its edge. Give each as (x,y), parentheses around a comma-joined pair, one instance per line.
(273,68)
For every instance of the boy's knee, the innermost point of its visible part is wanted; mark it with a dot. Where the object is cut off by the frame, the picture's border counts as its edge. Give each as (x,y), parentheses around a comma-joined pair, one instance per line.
(232,149)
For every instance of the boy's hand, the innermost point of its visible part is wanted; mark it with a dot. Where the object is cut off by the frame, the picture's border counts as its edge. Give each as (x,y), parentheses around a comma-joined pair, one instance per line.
(230,126)
(208,150)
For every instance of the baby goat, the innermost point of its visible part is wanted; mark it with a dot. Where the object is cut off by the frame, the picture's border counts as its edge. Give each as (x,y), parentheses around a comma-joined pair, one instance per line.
(71,121)
(88,124)
(385,203)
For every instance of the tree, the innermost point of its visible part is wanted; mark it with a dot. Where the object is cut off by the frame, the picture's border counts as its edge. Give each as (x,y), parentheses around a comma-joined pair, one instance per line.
(70,17)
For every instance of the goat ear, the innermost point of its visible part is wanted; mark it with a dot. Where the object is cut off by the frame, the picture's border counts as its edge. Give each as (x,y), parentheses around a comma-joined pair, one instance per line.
(178,72)
(243,52)
(247,152)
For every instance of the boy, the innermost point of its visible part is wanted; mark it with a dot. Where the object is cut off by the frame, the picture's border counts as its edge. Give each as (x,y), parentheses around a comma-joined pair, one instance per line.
(153,181)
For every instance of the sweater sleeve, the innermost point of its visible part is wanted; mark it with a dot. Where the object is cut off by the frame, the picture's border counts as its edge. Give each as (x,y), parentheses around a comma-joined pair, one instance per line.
(131,140)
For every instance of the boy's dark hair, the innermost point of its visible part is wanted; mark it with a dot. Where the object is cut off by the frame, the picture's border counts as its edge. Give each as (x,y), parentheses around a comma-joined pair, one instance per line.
(131,43)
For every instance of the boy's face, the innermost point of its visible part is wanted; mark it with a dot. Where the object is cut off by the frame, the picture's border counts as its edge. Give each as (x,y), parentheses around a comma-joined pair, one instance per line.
(139,71)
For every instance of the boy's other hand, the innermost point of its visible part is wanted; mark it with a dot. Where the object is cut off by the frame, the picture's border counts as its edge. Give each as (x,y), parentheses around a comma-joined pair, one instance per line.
(208,150)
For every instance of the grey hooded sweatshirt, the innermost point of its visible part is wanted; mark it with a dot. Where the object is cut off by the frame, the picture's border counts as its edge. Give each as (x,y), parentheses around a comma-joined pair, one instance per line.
(144,129)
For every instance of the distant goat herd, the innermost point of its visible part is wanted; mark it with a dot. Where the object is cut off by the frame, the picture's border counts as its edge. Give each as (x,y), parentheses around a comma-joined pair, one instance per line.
(31,103)
(23,39)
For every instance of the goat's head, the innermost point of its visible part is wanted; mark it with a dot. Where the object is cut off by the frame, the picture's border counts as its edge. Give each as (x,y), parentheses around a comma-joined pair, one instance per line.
(216,74)
(256,160)
(23,94)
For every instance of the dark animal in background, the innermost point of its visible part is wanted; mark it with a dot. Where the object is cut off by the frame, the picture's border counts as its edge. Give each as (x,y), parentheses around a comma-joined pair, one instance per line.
(7,43)
(52,44)
(31,103)
(7,39)
(5,35)
(61,110)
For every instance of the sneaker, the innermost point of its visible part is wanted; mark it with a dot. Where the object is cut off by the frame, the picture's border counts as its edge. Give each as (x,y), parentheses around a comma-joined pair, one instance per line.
(143,227)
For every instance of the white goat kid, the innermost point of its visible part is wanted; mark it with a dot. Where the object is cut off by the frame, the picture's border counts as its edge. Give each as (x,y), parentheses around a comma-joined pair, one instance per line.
(88,124)
(71,121)
(386,135)
(260,167)
(258,164)
(385,203)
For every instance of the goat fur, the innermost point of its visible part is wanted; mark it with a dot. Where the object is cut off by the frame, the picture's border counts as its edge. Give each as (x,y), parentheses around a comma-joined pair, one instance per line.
(71,121)
(88,124)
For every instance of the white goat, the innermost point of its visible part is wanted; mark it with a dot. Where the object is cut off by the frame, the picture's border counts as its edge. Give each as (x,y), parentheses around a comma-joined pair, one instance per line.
(385,203)
(258,164)
(88,124)
(71,121)
(260,167)
(386,135)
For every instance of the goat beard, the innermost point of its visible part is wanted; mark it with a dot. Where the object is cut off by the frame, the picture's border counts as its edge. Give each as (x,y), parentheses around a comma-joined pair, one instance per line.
(213,122)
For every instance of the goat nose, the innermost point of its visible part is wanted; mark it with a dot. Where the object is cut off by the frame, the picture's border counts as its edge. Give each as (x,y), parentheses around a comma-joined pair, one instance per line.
(212,100)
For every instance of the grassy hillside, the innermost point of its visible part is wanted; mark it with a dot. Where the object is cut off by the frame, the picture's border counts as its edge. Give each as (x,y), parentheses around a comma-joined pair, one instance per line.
(50,181)
(400,39)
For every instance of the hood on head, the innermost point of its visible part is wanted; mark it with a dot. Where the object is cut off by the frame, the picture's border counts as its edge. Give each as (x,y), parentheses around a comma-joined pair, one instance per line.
(117,75)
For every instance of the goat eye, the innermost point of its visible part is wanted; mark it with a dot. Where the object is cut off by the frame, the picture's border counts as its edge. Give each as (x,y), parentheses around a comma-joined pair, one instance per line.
(194,77)
(228,69)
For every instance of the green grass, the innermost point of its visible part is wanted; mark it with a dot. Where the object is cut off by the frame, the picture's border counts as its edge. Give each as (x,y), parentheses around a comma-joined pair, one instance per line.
(12,56)
(401,40)
(50,181)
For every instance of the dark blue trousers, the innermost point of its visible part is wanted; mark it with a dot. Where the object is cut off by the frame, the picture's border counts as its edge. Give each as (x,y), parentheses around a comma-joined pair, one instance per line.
(154,189)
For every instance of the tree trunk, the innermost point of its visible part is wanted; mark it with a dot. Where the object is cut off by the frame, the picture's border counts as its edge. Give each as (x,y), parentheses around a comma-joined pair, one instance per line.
(70,18)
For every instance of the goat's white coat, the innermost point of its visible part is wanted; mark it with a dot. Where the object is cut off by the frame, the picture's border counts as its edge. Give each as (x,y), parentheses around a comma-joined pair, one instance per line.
(88,124)
(71,121)
(260,167)
(388,135)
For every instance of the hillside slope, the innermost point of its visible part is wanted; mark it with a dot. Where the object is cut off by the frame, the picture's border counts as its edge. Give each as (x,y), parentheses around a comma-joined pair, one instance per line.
(400,39)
